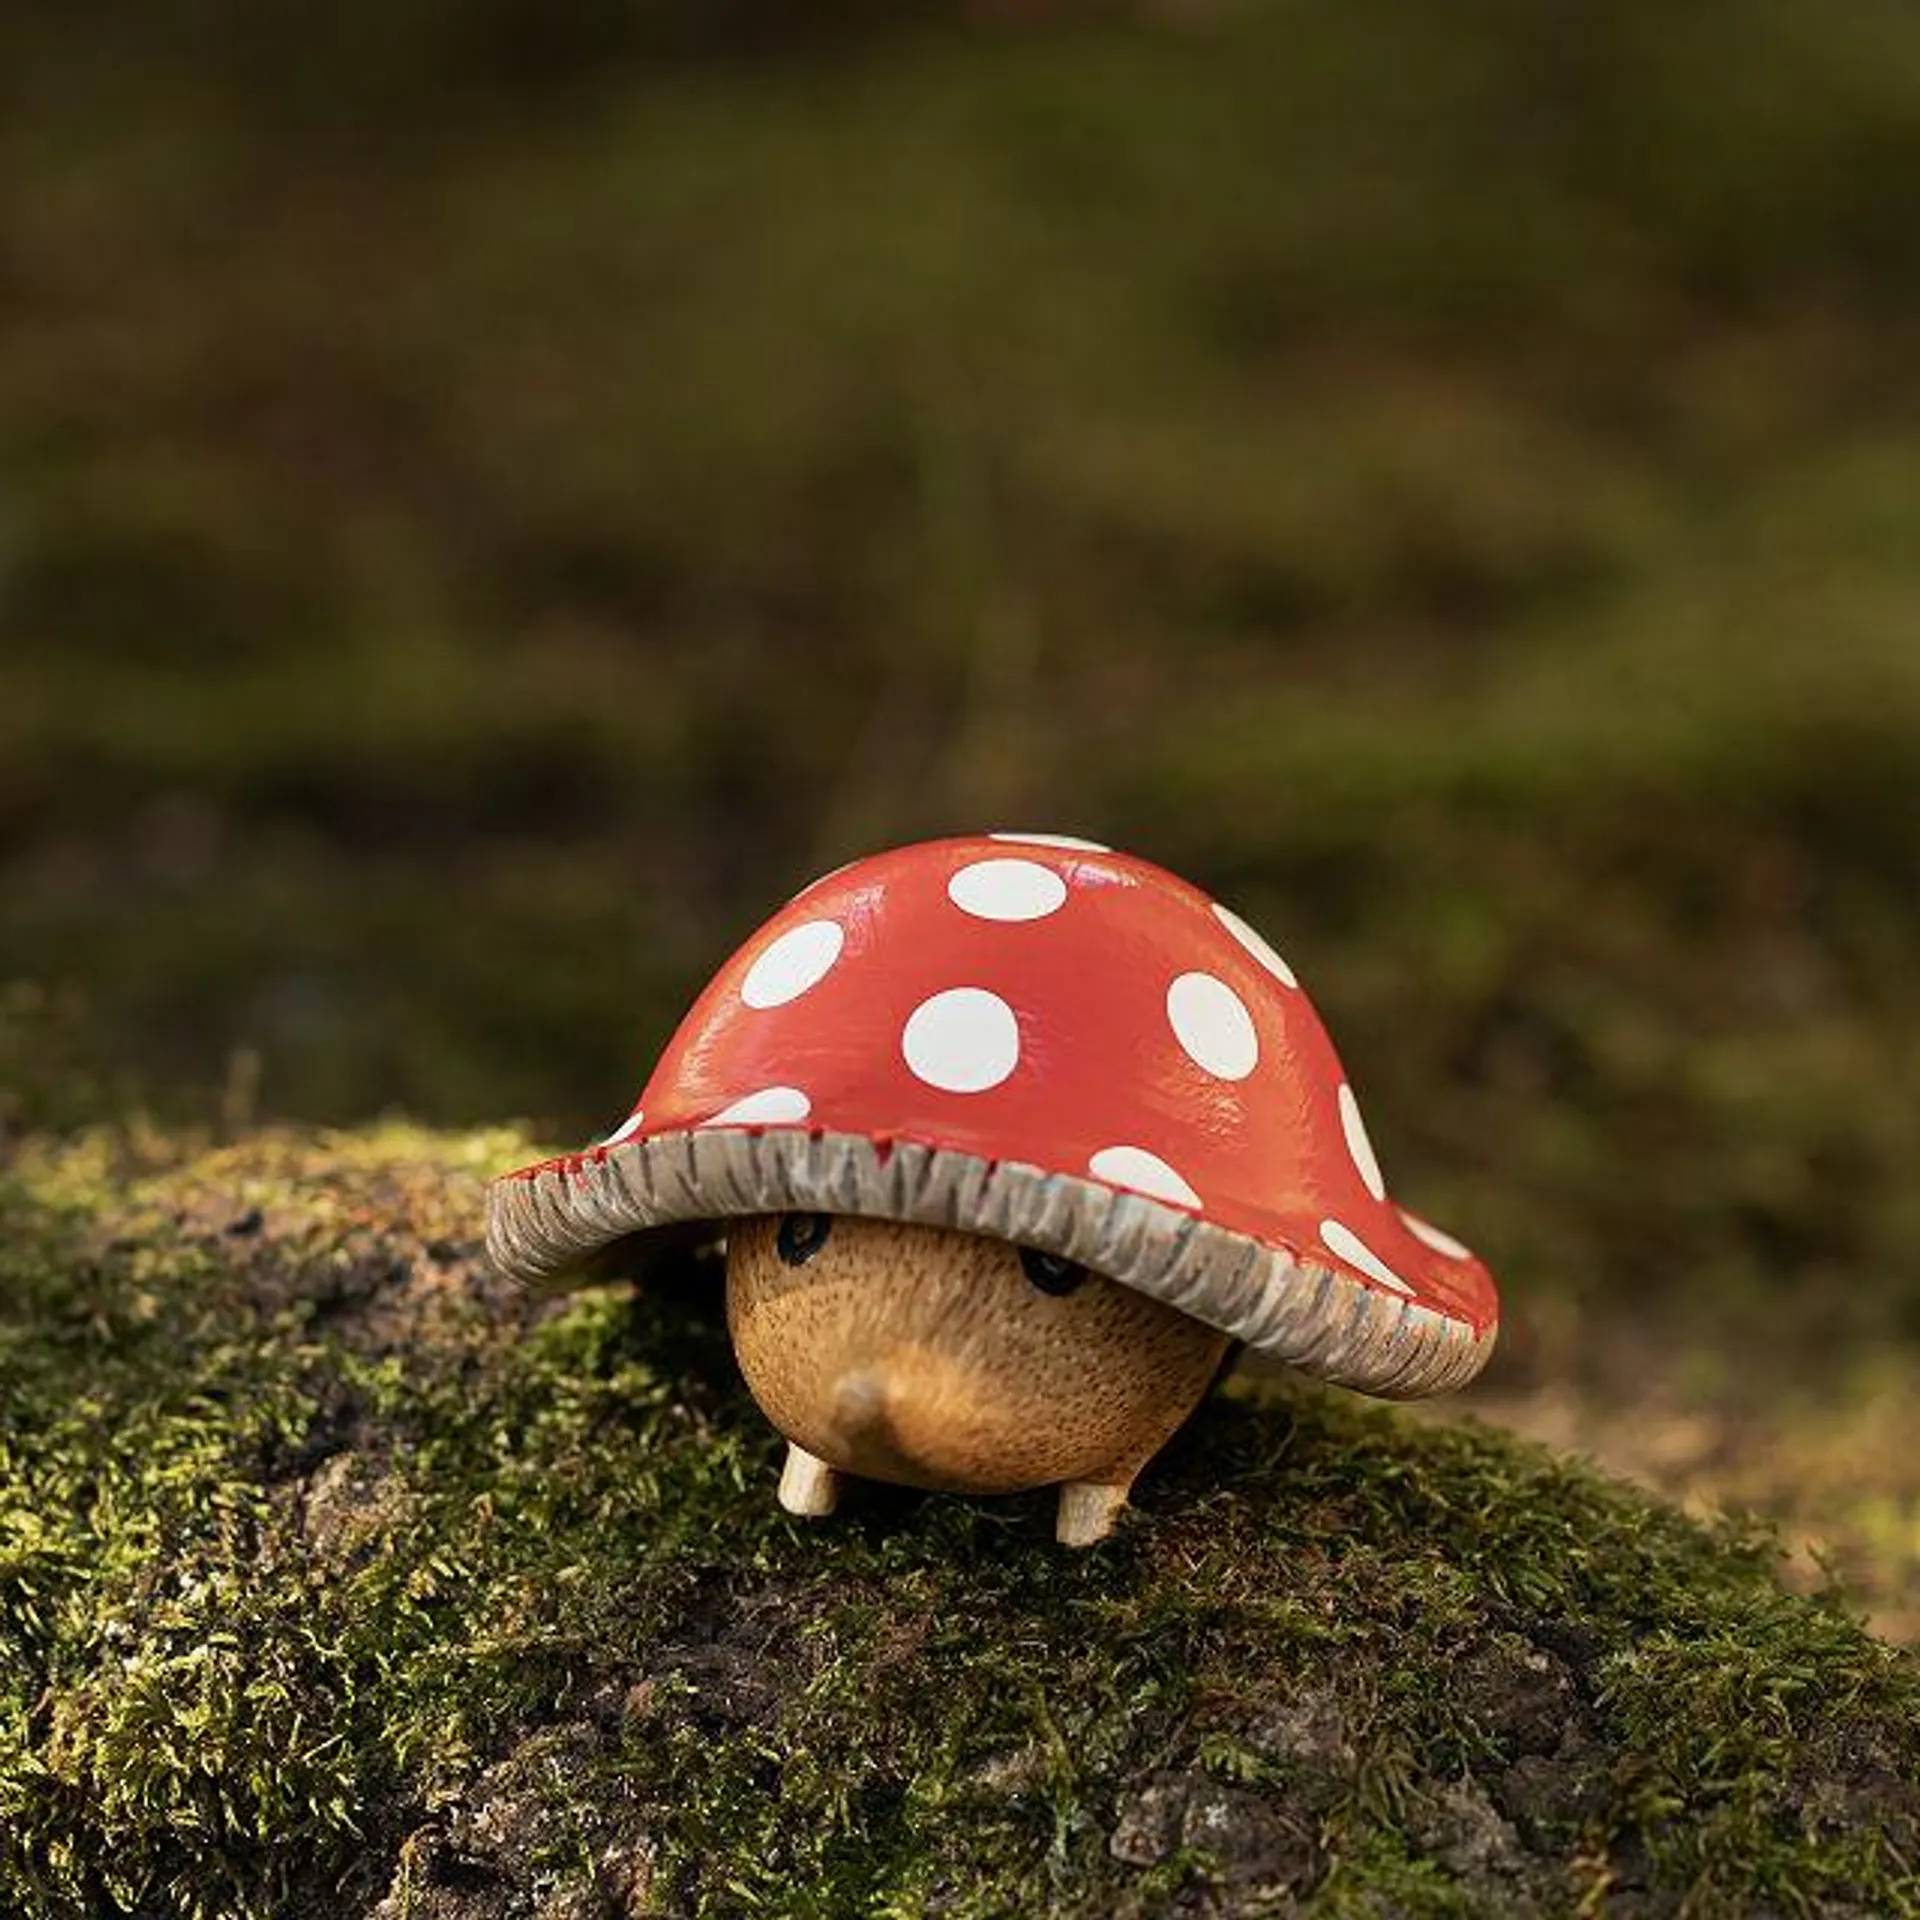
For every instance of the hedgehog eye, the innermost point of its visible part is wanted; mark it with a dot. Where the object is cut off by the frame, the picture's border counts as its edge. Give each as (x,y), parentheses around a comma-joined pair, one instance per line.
(1050,1273)
(801,1236)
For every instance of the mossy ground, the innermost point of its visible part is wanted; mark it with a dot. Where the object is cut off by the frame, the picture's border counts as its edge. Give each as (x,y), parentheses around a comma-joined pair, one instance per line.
(335,1579)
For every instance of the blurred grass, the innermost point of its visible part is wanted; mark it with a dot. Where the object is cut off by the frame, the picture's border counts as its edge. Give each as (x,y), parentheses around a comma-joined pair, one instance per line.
(493,497)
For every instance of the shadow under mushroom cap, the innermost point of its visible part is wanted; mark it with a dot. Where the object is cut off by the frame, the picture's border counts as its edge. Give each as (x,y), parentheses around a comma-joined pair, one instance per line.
(545,1219)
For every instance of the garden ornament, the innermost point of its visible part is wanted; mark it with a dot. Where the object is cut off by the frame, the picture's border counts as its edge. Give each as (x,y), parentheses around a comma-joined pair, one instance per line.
(1010,1137)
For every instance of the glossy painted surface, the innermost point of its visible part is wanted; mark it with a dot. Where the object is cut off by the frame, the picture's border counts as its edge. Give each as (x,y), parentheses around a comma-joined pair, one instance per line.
(1079,1010)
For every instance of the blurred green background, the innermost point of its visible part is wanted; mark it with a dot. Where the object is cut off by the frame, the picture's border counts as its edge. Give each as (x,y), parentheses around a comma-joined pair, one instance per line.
(494,495)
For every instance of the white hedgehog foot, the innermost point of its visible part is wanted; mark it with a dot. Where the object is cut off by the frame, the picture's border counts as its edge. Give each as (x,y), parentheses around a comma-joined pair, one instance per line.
(1088,1510)
(808,1486)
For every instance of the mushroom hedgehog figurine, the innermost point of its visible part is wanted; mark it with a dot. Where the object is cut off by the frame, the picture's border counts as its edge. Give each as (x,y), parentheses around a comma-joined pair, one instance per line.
(1009,1139)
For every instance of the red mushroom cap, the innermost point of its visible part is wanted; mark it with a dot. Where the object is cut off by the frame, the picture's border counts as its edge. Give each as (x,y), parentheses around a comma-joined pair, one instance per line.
(1045,1040)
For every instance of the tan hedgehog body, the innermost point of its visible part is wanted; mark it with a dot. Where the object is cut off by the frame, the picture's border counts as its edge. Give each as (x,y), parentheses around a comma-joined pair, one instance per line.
(956,1362)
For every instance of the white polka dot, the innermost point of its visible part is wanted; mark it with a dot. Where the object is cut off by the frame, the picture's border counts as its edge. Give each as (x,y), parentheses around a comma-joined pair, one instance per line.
(768,1107)
(799,959)
(1438,1241)
(626,1129)
(1007,890)
(1358,1144)
(1211,1022)
(1052,840)
(1356,1253)
(1255,944)
(1144,1172)
(963,1041)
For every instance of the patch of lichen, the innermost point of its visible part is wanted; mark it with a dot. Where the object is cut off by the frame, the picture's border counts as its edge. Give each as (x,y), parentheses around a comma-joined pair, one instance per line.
(334,1577)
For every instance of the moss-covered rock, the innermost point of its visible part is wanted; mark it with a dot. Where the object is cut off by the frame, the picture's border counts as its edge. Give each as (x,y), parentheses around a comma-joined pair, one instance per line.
(336,1579)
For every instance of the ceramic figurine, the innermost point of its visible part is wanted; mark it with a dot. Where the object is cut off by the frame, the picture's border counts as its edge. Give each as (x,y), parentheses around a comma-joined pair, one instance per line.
(1010,1137)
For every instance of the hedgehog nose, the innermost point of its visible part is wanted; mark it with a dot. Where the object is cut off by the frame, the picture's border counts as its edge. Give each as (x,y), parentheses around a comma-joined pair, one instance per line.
(896,1415)
(876,1421)
(860,1405)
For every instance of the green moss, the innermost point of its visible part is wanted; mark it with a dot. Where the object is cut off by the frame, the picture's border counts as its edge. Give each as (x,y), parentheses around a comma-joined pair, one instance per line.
(330,1570)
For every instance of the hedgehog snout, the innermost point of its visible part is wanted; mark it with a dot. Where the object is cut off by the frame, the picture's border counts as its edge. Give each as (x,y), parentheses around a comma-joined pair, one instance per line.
(859,1404)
